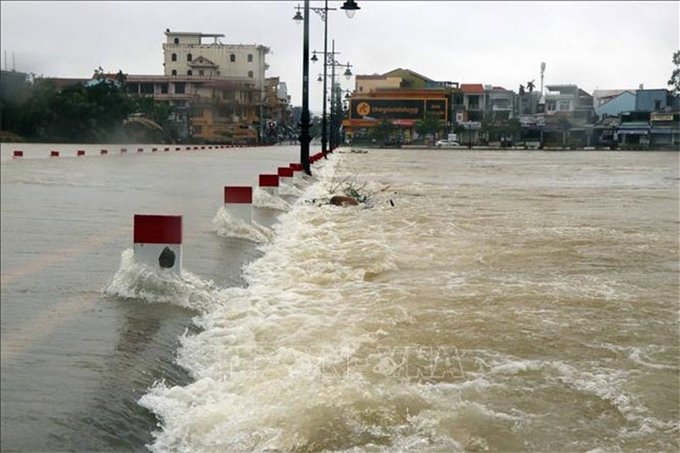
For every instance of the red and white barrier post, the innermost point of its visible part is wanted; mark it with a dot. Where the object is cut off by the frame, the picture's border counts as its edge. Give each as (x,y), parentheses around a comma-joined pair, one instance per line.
(285,175)
(158,241)
(238,201)
(270,184)
(297,170)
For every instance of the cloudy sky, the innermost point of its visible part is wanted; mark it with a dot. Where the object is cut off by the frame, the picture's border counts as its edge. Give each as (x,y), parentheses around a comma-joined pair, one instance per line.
(595,45)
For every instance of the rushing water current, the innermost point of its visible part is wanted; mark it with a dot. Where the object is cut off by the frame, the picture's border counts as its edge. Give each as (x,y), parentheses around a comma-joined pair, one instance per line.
(478,300)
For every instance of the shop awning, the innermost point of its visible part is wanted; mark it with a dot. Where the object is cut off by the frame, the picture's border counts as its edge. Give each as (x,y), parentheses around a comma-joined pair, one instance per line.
(633,131)
(405,123)
(665,130)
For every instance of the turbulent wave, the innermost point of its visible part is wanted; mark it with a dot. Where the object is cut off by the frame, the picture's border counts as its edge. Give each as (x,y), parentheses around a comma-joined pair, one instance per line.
(263,199)
(324,350)
(227,225)
(134,280)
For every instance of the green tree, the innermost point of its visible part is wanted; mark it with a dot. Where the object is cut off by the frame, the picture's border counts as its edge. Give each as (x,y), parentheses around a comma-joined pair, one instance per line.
(36,115)
(674,81)
(93,112)
(382,131)
(428,125)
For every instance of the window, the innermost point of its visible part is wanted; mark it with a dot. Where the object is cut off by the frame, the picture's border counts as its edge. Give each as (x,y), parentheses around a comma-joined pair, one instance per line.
(200,72)
(563,106)
(188,57)
(164,88)
(250,74)
(174,57)
(176,40)
(657,105)
(190,72)
(250,58)
(174,72)
(180,88)
(232,57)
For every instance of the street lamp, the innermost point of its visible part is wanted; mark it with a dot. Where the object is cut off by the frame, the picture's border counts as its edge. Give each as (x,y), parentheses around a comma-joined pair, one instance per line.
(330,61)
(324,123)
(350,8)
(348,74)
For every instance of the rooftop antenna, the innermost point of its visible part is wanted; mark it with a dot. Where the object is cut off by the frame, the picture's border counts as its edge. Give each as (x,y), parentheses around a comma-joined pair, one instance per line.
(542,72)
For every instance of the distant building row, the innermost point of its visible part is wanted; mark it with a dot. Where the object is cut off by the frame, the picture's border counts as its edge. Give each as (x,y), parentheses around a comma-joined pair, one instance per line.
(220,94)
(562,115)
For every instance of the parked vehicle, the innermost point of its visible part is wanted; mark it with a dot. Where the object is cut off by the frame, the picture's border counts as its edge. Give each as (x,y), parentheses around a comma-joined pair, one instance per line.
(446,144)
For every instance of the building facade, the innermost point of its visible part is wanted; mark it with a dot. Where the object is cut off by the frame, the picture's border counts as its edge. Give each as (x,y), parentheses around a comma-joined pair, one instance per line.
(401,97)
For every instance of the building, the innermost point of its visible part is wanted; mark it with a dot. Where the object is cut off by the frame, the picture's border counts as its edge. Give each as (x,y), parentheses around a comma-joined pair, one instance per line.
(569,116)
(652,100)
(187,53)
(219,92)
(664,129)
(623,101)
(401,97)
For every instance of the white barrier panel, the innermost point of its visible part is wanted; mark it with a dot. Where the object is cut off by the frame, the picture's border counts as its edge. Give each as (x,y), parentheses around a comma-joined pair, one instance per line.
(158,241)
(238,201)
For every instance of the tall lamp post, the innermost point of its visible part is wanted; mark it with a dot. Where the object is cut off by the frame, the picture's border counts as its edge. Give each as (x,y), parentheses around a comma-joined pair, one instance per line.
(330,61)
(323,12)
(350,7)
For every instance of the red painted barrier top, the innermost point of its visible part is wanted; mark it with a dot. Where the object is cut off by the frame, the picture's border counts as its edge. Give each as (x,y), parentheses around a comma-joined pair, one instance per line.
(296,167)
(285,172)
(158,229)
(238,194)
(269,181)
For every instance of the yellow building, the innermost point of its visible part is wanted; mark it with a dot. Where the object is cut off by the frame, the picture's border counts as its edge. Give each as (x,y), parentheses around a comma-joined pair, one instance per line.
(401,97)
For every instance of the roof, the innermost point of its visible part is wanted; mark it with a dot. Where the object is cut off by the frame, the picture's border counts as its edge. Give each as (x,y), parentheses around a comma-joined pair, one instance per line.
(413,73)
(202,62)
(188,33)
(472,88)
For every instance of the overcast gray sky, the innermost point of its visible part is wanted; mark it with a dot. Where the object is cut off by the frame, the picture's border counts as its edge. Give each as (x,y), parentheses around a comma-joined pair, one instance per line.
(605,45)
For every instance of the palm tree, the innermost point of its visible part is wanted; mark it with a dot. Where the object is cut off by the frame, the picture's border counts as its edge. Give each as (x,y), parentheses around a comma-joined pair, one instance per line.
(530,86)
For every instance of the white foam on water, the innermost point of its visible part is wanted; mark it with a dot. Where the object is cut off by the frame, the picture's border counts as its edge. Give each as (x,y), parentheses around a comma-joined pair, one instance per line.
(313,354)
(285,364)
(291,190)
(227,225)
(263,199)
(135,280)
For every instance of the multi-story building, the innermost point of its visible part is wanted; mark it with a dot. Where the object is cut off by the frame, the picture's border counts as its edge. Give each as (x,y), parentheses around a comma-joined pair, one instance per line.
(569,116)
(401,97)
(568,101)
(499,103)
(219,89)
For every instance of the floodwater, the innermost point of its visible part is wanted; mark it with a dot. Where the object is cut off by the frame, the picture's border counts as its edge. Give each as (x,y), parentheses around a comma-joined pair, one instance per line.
(478,300)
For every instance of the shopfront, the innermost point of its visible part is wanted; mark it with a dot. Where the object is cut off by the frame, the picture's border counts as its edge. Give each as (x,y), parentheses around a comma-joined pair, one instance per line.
(367,112)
